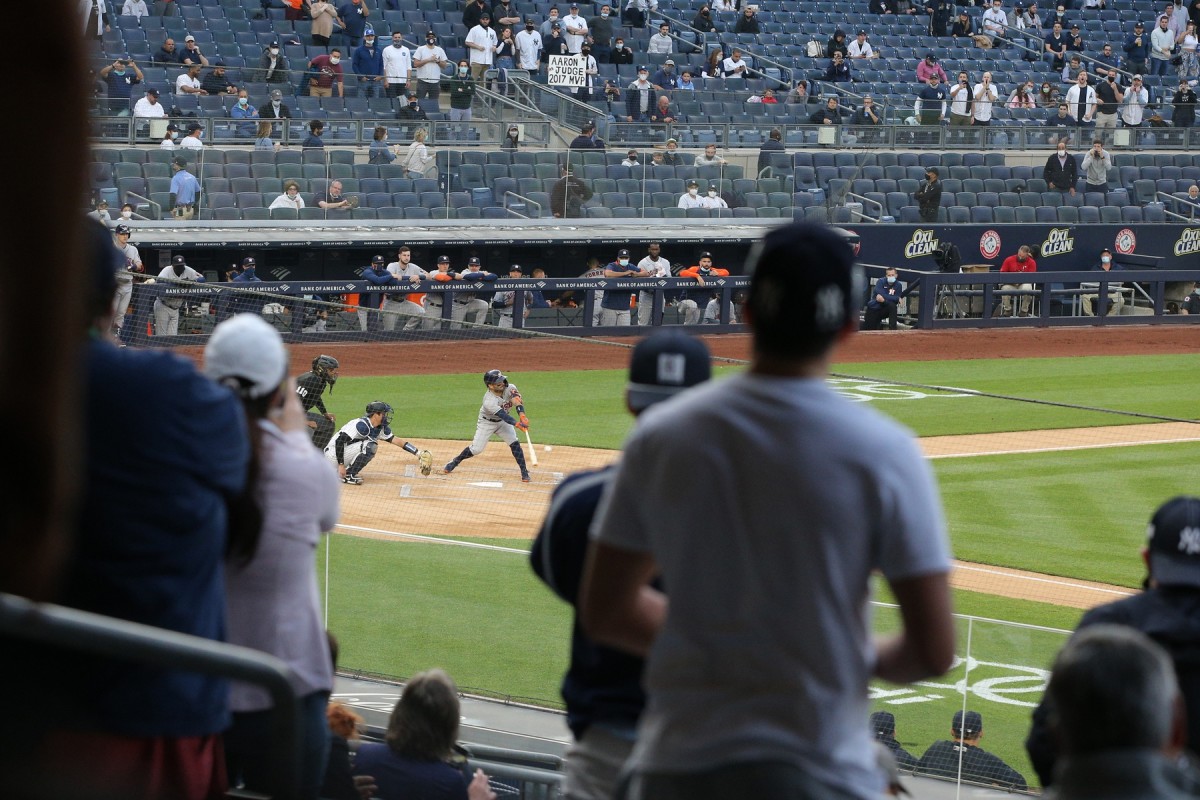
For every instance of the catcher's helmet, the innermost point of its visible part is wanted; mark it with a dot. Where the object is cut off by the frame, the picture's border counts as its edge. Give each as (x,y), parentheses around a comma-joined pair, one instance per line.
(380,407)
(493,376)
(324,367)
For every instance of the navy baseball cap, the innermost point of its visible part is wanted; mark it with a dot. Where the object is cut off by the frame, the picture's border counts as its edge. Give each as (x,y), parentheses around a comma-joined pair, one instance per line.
(249,261)
(622,254)
(1173,542)
(664,364)
(883,723)
(804,285)
(377,260)
(473,261)
(179,261)
(443,259)
(969,724)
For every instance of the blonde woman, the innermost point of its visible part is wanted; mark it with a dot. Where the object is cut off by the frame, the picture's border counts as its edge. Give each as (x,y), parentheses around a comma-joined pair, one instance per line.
(262,137)
(419,161)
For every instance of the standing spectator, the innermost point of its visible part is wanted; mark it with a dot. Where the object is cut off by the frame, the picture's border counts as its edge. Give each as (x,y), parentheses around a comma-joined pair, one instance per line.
(324,19)
(418,161)
(276,108)
(838,70)
(481,43)
(772,722)
(748,21)
(587,139)
(528,45)
(165,8)
(883,725)
(397,63)
(429,60)
(216,82)
(636,12)
(601,688)
(961,101)
(661,42)
(271,587)
(1133,106)
(262,137)
(929,196)
(1109,63)
(462,93)
(328,71)
(940,12)
(148,107)
(505,15)
(1060,171)
(1137,49)
(1189,65)
(773,144)
(1167,610)
(568,195)
(1108,100)
(380,151)
(273,66)
(367,63)
(983,97)
(553,45)
(928,67)
(421,734)
(601,29)
(995,23)
(1096,165)
(314,141)
(1022,263)
(1119,717)
(1184,103)
(1081,99)
(353,16)
(148,730)
(1056,46)
(575,29)
(185,190)
(552,19)
(120,77)
(931,102)
(472,12)
(166,307)
(639,97)
(961,756)
(1162,45)
(244,111)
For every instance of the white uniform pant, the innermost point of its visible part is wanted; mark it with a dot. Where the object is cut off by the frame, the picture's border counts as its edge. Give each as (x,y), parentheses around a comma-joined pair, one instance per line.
(395,309)
(504,319)
(691,311)
(609,316)
(166,319)
(351,453)
(644,307)
(433,313)
(475,308)
(486,428)
(121,303)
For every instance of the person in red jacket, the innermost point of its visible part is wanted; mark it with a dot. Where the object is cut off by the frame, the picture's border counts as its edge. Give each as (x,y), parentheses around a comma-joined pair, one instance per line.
(1021,262)
(695,301)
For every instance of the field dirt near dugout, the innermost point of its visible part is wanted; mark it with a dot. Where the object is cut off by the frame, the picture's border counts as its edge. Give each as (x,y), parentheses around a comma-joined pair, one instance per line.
(515,510)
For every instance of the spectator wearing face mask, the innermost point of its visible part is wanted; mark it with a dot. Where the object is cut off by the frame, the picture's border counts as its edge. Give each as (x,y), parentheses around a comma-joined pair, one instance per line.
(273,67)
(328,71)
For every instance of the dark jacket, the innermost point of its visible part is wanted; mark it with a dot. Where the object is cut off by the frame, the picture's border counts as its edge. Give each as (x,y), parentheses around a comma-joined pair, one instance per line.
(281,73)
(904,759)
(461,89)
(1138,52)
(1185,108)
(1061,176)
(929,195)
(837,73)
(267,111)
(568,196)
(745,25)
(408,112)
(978,765)
(1168,615)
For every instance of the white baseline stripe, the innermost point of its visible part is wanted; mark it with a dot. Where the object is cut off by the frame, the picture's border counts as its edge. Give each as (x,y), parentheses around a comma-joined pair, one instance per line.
(432,539)
(958,567)
(1061,448)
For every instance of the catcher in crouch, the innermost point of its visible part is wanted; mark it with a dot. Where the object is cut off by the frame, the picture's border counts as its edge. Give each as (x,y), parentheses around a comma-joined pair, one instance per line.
(355,444)
(494,418)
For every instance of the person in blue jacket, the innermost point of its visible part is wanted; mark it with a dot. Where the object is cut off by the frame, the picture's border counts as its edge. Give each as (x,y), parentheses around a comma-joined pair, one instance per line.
(367,63)
(884,302)
(368,302)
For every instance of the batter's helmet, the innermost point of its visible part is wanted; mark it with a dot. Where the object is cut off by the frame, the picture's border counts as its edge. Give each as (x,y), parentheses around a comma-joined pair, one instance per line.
(122,229)
(494,376)
(380,407)
(324,367)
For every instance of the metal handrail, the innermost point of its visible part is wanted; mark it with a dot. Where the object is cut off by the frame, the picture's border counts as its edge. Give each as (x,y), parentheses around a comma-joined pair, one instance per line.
(155,207)
(1173,200)
(523,199)
(861,215)
(95,634)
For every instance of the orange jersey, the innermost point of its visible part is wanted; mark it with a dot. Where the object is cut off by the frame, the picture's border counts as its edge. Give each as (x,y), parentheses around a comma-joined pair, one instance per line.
(694,272)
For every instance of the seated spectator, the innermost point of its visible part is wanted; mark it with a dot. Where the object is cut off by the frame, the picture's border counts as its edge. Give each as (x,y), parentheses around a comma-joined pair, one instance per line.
(412,110)
(1184,104)
(748,21)
(735,66)
(829,114)
(704,24)
(1022,96)
(773,144)
(1049,96)
(838,70)
(290,198)
(661,42)
(216,82)
(1118,718)
(929,66)
(262,137)
(710,157)
(190,54)
(712,64)
(167,55)
(861,48)
(148,107)
(620,54)
(962,26)
(691,198)
(799,95)
(663,113)
(275,108)
(883,725)
(837,44)
(315,129)
(672,157)
(169,136)
(1070,71)
(768,97)
(421,737)
(1061,118)
(962,755)
(244,111)
(685,81)
(188,83)
(332,199)
(666,78)
(713,199)
(631,160)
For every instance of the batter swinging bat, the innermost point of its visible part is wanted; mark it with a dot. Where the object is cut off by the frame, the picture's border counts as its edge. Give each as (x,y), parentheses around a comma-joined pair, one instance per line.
(532,452)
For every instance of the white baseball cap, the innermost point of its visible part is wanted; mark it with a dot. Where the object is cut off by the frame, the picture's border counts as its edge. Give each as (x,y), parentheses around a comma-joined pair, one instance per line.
(246,353)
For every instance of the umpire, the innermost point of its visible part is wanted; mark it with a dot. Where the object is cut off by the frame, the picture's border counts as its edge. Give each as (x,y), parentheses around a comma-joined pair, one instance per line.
(310,386)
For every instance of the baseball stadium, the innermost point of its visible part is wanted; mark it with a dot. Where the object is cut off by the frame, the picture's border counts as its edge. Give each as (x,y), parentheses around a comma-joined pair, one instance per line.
(544,223)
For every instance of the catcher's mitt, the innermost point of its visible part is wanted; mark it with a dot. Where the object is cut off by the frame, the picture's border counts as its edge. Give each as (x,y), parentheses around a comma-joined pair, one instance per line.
(426,461)
(352,202)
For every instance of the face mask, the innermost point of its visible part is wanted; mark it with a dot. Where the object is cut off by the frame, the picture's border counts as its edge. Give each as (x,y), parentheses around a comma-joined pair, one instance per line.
(1105,259)
(274,51)
(414,106)
(370,42)
(891,278)
(528,27)
(127,214)
(1062,150)
(692,192)
(604,14)
(624,262)
(242,101)
(462,70)
(642,76)
(430,42)
(711,193)
(173,134)
(118,72)
(620,45)
(335,60)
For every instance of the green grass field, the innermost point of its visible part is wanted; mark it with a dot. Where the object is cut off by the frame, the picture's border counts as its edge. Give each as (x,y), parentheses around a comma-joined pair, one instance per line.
(401,607)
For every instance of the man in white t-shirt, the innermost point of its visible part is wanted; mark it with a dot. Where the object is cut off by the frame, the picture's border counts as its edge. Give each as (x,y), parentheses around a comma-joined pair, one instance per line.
(529,46)
(995,23)
(984,95)
(575,29)
(655,266)
(861,48)
(397,63)
(759,655)
(188,83)
(481,43)
(735,66)
(1081,100)
(149,107)
(428,62)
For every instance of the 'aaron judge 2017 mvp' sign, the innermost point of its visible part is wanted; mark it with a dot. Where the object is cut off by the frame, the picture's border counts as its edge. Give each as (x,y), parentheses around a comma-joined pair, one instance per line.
(567,71)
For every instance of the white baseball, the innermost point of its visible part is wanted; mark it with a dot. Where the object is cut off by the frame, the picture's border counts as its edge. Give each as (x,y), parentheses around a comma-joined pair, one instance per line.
(548,448)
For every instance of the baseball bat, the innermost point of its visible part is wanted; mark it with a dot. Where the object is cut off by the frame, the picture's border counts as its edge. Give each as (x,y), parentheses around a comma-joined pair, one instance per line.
(532,452)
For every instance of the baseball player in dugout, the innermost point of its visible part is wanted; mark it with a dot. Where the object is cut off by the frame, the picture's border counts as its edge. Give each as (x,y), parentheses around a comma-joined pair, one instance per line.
(695,301)
(494,418)
(310,387)
(357,442)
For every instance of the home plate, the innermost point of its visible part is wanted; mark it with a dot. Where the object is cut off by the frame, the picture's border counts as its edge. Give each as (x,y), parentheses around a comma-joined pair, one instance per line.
(488,484)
